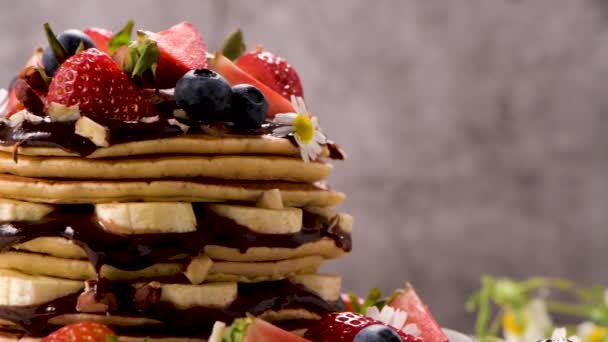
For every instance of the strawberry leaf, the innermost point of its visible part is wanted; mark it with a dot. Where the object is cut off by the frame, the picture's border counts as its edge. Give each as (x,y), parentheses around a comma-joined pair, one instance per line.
(122,38)
(234,46)
(58,50)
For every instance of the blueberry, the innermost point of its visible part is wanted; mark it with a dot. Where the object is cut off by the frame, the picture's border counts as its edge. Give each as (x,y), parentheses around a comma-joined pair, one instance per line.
(249,107)
(70,40)
(203,94)
(377,333)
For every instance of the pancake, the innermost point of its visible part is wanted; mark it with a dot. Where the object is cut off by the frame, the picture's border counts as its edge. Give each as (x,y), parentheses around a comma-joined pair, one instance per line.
(203,190)
(222,167)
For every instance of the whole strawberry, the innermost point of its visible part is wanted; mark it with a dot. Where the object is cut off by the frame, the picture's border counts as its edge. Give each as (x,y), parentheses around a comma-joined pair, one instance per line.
(273,71)
(83,331)
(350,326)
(94,82)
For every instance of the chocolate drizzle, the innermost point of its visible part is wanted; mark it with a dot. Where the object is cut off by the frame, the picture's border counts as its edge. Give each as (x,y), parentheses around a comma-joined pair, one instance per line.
(133,252)
(254,298)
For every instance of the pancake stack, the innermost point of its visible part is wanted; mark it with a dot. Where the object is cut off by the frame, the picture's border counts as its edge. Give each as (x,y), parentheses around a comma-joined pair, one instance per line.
(162,237)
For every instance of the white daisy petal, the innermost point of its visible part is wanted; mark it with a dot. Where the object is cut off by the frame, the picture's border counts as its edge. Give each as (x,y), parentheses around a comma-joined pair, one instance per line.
(282,131)
(411,329)
(301,105)
(386,314)
(284,118)
(398,319)
(372,312)
(294,102)
(319,137)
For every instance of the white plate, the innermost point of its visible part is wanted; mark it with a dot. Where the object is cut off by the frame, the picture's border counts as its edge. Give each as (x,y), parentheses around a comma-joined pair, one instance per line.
(455,336)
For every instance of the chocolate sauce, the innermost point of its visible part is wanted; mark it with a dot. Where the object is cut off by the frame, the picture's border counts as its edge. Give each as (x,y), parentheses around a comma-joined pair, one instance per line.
(197,321)
(133,252)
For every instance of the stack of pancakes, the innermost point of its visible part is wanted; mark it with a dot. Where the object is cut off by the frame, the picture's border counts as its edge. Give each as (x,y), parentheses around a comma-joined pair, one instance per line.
(163,237)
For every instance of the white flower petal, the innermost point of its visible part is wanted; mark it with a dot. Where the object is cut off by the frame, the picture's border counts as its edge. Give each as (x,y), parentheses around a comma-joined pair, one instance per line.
(372,312)
(386,314)
(398,319)
(301,106)
(3,100)
(559,333)
(282,131)
(284,119)
(294,102)
(320,138)
(411,329)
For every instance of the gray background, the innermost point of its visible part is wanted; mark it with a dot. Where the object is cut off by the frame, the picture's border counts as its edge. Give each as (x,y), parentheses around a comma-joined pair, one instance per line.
(476,128)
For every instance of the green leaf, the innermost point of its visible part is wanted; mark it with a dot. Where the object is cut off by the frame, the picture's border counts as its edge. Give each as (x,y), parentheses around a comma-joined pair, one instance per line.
(80,48)
(484,312)
(236,331)
(354,302)
(373,297)
(58,50)
(148,53)
(122,38)
(234,46)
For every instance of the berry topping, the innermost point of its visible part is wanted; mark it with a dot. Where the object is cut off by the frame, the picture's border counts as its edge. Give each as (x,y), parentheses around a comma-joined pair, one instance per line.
(100,37)
(83,331)
(94,82)
(273,71)
(203,94)
(345,326)
(248,108)
(251,329)
(235,75)
(62,47)
(377,333)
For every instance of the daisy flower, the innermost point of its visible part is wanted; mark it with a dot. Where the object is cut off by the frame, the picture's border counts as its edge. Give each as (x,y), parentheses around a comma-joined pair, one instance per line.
(534,326)
(393,317)
(304,127)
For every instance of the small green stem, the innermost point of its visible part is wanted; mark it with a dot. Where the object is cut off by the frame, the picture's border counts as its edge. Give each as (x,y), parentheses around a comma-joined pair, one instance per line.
(567,309)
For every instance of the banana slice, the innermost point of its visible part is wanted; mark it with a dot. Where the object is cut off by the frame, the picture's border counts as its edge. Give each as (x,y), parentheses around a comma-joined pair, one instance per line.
(324,285)
(11,210)
(55,246)
(217,334)
(198,268)
(271,199)
(144,218)
(262,220)
(18,289)
(253,272)
(212,295)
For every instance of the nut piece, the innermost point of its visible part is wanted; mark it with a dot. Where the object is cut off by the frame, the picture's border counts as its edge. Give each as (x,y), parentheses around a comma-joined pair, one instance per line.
(95,132)
(61,113)
(96,298)
(149,119)
(198,268)
(271,199)
(175,122)
(24,115)
(146,296)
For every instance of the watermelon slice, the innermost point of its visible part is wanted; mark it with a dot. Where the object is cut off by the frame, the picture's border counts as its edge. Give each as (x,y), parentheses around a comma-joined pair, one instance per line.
(417,312)
(181,48)
(235,75)
(251,329)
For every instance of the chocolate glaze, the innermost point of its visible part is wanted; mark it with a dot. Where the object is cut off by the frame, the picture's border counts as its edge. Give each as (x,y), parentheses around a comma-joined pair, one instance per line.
(132,252)
(197,321)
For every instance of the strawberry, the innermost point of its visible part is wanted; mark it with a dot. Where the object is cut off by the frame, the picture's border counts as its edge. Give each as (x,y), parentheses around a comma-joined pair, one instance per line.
(344,326)
(235,75)
(181,48)
(273,71)
(100,37)
(83,331)
(94,82)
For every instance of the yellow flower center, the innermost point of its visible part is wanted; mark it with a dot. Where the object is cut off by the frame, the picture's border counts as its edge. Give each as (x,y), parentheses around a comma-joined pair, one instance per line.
(598,334)
(302,125)
(511,324)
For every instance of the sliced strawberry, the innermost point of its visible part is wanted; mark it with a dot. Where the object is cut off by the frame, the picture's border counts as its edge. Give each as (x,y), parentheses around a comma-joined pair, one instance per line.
(13,105)
(235,75)
(94,82)
(418,313)
(80,332)
(262,331)
(100,37)
(181,48)
(346,299)
(344,326)
(273,71)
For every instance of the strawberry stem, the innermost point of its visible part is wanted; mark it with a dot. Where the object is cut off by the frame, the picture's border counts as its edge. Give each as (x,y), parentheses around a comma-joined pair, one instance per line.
(58,50)
(122,38)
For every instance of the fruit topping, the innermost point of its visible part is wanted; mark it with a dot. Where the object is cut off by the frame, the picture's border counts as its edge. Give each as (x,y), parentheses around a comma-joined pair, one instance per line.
(418,313)
(62,47)
(203,94)
(83,331)
(377,333)
(235,75)
(100,37)
(350,326)
(273,71)
(248,108)
(94,83)
(252,329)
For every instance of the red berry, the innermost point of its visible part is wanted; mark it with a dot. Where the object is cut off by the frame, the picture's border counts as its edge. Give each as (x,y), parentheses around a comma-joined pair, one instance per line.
(83,331)
(100,37)
(94,82)
(273,71)
(344,326)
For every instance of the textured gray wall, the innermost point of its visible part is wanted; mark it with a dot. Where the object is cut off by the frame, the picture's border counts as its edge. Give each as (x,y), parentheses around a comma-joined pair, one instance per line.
(476,128)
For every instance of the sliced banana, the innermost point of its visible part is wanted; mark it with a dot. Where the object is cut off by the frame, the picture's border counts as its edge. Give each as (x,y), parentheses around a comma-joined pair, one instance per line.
(325,286)
(18,289)
(217,334)
(198,268)
(262,220)
(144,218)
(262,271)
(55,246)
(11,210)
(212,295)
(271,199)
